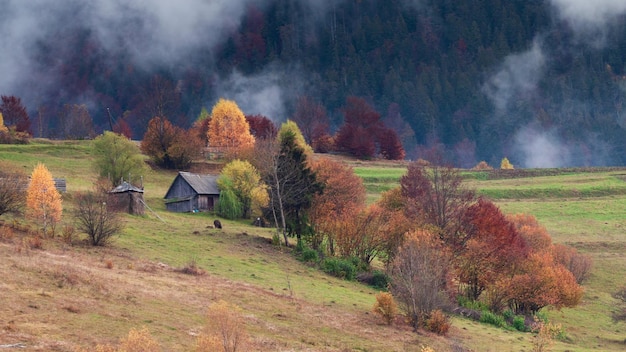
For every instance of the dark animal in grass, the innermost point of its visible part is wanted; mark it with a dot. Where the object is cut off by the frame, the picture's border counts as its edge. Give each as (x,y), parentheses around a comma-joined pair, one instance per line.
(217,224)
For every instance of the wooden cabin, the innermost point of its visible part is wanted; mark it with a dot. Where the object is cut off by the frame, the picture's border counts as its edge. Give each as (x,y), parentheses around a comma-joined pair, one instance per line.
(127,198)
(192,192)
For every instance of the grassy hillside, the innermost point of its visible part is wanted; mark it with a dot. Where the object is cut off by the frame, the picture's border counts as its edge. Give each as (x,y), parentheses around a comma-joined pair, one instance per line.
(62,296)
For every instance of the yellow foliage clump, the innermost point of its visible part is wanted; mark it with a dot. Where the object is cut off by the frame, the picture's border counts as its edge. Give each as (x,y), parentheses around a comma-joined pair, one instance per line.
(505,164)
(3,128)
(42,198)
(228,129)
(385,307)
(225,329)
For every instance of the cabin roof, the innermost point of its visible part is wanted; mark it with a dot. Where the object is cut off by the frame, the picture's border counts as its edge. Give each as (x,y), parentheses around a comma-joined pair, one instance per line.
(201,184)
(126,187)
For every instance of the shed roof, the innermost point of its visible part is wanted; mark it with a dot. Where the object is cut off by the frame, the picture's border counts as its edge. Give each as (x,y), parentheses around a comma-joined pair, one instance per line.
(202,184)
(126,187)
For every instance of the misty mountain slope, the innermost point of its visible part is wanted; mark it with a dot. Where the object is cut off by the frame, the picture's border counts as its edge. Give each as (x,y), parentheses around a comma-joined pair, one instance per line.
(538,81)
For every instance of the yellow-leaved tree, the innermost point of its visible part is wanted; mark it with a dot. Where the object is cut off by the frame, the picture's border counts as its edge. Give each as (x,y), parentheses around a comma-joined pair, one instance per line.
(505,164)
(3,128)
(42,198)
(229,131)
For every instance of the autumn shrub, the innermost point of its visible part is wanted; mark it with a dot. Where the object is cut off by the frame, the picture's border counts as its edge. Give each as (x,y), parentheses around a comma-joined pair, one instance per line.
(34,242)
(11,136)
(577,263)
(482,166)
(339,267)
(438,323)
(6,233)
(545,334)
(95,219)
(324,143)
(385,307)
(191,268)
(418,274)
(505,164)
(225,322)
(68,233)
(208,343)
(139,341)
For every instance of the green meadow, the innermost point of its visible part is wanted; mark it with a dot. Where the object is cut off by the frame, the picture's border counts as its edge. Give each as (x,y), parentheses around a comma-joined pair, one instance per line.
(288,305)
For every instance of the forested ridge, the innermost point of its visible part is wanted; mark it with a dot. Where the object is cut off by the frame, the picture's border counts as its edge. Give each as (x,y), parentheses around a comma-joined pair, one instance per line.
(475,79)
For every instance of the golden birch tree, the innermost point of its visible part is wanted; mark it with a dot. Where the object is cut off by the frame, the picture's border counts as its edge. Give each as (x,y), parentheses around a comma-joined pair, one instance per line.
(228,130)
(3,128)
(42,198)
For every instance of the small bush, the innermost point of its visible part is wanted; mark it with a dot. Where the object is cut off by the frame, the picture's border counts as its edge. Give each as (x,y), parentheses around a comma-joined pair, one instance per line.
(191,268)
(508,315)
(309,255)
(488,317)
(505,164)
(340,268)
(139,341)
(225,321)
(546,332)
(380,280)
(108,264)
(68,233)
(385,307)
(482,166)
(438,323)
(519,323)
(34,242)
(6,233)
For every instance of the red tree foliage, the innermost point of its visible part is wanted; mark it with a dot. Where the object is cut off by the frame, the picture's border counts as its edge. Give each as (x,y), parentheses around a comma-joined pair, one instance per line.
(362,123)
(363,133)
(493,248)
(14,113)
(261,127)
(390,145)
(122,127)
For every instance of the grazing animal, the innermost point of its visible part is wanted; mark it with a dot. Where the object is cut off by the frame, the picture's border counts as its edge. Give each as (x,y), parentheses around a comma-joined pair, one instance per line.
(217,224)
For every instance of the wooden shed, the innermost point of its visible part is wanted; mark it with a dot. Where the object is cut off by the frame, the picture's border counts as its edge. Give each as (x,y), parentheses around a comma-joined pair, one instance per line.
(192,192)
(127,198)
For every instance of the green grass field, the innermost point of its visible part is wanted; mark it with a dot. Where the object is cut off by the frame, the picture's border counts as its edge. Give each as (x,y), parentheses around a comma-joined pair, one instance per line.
(288,305)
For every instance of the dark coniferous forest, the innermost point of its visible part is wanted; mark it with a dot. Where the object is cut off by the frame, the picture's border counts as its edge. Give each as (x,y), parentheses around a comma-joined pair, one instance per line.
(541,82)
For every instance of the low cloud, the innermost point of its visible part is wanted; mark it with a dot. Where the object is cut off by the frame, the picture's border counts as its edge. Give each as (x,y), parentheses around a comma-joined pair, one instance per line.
(266,93)
(518,75)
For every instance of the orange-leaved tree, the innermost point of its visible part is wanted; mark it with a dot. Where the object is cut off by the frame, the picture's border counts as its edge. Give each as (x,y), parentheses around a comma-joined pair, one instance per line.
(541,282)
(228,130)
(42,198)
(170,146)
(3,128)
(343,196)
